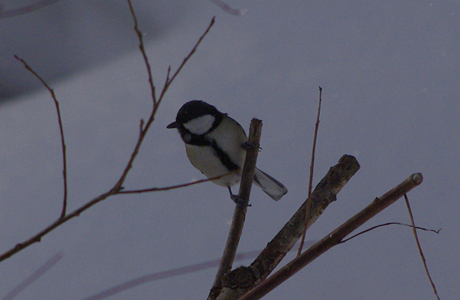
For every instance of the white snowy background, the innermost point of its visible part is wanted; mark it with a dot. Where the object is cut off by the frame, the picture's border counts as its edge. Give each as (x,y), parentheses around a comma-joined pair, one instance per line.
(390,73)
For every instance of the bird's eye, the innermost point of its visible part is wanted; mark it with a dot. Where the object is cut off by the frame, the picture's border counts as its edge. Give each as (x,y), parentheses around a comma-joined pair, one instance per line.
(187,137)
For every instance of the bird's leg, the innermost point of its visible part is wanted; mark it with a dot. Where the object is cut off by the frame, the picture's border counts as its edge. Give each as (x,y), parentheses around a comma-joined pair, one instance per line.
(237,199)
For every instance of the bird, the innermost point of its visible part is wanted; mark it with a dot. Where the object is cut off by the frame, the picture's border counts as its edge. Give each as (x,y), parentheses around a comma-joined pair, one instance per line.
(216,145)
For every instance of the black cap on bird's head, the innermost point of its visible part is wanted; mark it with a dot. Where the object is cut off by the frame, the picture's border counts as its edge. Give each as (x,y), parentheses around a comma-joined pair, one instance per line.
(192,110)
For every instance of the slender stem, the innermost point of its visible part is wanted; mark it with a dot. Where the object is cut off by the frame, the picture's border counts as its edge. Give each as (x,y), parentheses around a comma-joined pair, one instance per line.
(144,54)
(172,187)
(420,247)
(239,215)
(26,9)
(312,166)
(61,129)
(116,189)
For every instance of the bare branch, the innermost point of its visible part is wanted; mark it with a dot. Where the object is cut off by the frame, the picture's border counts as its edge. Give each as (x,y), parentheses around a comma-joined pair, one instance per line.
(142,134)
(26,9)
(166,274)
(140,36)
(37,238)
(172,187)
(420,247)
(334,238)
(119,184)
(225,7)
(236,229)
(61,129)
(170,273)
(387,224)
(34,276)
(169,81)
(244,278)
(312,166)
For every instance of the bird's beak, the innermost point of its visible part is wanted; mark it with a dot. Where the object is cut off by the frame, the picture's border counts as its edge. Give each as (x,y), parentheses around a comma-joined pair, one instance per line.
(173,125)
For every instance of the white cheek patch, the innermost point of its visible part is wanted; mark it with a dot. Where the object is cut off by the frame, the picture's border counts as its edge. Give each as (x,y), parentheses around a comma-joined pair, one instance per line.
(200,125)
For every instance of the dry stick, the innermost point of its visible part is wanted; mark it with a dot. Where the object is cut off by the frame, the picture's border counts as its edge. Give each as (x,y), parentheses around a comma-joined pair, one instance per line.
(420,247)
(34,276)
(334,238)
(387,224)
(225,7)
(144,54)
(168,81)
(64,157)
(312,165)
(243,279)
(26,9)
(132,283)
(172,187)
(156,102)
(236,229)
(116,188)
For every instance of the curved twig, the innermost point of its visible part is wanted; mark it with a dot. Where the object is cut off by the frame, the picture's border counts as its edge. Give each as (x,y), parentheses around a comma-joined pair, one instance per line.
(26,9)
(119,184)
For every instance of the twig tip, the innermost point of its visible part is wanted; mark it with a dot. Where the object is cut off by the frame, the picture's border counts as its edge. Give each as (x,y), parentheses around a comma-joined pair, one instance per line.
(417,178)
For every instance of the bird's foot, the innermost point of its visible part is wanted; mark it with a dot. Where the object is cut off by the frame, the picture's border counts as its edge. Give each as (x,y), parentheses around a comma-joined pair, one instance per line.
(248,145)
(239,201)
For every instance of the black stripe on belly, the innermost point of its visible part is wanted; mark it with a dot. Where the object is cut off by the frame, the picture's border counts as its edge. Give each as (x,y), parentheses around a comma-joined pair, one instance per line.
(224,158)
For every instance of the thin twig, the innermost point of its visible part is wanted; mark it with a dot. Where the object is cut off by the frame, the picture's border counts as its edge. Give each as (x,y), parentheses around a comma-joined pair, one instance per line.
(228,9)
(387,224)
(333,238)
(420,247)
(168,82)
(119,288)
(118,185)
(236,229)
(61,129)
(172,187)
(34,276)
(37,238)
(140,36)
(166,274)
(312,166)
(26,9)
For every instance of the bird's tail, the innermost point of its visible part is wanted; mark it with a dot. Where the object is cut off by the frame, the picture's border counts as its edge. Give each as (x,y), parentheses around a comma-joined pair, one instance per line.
(269,185)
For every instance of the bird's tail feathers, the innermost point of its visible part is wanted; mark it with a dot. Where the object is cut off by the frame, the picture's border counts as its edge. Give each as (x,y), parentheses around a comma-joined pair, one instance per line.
(269,185)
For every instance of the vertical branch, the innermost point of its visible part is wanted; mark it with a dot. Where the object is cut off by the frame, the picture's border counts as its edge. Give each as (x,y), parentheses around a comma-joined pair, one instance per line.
(310,182)
(144,54)
(64,156)
(420,247)
(239,215)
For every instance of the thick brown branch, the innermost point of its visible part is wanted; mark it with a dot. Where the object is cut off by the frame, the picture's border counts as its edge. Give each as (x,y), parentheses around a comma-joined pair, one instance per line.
(334,238)
(236,229)
(244,278)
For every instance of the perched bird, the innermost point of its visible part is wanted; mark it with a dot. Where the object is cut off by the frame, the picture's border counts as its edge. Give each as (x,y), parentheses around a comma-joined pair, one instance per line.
(215,145)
